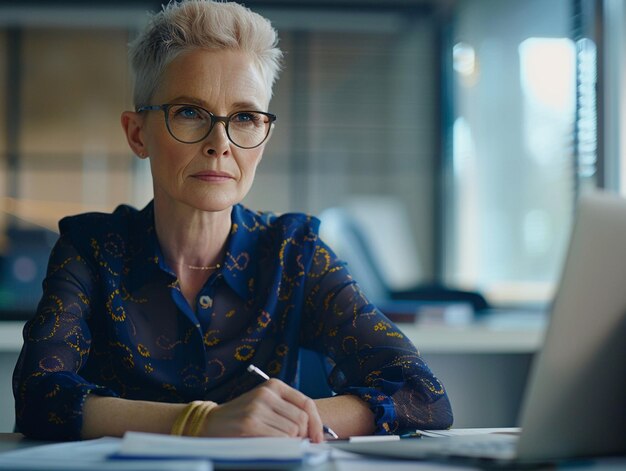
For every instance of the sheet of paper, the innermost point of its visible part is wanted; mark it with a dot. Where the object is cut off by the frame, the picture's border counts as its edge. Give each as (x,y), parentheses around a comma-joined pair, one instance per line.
(89,455)
(222,450)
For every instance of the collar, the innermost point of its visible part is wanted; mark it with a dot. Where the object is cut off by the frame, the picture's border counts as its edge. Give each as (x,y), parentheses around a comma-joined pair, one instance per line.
(147,259)
(240,261)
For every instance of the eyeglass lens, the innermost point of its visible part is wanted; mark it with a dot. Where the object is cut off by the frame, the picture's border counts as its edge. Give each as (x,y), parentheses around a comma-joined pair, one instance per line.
(190,124)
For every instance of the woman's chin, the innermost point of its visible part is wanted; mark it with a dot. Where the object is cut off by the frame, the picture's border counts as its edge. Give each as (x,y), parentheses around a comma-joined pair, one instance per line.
(213,202)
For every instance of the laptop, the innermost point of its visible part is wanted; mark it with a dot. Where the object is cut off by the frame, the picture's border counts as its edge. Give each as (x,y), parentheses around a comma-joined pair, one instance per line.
(575,401)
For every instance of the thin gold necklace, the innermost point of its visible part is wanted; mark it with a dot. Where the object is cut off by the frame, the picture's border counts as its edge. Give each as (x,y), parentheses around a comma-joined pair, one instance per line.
(208,267)
(217,266)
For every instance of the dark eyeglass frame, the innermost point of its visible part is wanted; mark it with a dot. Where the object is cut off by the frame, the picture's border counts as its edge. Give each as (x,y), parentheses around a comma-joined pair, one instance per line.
(214,120)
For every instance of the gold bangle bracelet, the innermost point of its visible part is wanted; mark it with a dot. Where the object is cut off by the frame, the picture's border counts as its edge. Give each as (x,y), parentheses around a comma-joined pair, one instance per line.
(181,421)
(199,418)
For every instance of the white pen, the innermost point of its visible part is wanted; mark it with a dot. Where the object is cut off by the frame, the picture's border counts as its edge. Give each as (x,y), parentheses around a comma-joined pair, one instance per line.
(262,374)
(258,371)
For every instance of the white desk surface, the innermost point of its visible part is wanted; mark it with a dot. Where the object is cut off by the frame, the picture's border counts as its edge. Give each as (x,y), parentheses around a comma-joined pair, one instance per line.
(350,462)
(507,332)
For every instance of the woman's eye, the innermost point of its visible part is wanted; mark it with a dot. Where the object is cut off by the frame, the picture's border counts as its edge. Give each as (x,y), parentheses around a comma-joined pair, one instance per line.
(187,112)
(246,117)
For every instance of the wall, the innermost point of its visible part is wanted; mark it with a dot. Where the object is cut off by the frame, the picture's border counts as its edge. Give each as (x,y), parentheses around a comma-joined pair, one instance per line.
(357,109)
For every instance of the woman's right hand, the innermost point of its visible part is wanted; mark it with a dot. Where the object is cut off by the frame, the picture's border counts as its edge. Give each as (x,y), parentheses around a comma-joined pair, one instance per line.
(271,409)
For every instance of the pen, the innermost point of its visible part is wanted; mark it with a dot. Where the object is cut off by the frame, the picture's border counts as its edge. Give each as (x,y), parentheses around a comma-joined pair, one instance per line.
(262,374)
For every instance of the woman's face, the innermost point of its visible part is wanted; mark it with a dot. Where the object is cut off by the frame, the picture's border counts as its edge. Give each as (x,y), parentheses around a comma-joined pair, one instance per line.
(213,174)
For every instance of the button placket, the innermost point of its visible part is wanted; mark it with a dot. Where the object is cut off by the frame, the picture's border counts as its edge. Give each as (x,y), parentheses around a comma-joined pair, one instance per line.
(204,303)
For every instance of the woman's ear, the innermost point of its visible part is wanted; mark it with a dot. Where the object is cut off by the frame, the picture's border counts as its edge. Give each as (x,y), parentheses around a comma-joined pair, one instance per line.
(132,123)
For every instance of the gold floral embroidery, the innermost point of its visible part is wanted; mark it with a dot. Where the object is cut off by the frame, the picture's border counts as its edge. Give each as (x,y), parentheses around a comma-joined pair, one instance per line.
(211,338)
(244,352)
(381,326)
(143,350)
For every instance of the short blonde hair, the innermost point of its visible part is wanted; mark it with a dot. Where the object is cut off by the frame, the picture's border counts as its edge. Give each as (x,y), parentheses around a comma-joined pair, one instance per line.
(201,24)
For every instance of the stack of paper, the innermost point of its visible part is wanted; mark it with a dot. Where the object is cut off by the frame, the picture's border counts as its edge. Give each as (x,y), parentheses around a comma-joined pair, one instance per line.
(153,452)
(262,452)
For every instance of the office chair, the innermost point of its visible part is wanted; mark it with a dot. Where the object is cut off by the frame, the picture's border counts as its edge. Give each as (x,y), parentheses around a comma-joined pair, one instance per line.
(313,371)
(345,229)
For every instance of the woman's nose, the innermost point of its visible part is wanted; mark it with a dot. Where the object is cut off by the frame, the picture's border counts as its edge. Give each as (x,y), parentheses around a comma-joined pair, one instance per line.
(217,143)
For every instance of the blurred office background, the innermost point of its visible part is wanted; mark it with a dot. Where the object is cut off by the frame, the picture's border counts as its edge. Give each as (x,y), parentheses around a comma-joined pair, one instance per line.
(481,121)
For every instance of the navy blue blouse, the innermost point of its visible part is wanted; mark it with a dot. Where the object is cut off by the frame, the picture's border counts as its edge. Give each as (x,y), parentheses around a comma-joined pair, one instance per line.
(113,321)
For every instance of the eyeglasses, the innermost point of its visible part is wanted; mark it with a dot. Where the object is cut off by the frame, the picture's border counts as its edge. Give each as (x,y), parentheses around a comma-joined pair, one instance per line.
(190,124)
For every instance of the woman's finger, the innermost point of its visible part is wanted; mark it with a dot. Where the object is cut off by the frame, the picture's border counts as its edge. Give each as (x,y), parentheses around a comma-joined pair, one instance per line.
(311,420)
(287,416)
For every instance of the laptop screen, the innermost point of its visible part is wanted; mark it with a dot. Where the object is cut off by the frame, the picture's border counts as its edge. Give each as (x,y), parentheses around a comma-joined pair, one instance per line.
(576,400)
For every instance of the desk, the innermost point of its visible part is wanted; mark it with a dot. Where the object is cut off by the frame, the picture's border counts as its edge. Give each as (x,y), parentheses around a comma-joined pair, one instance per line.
(12,441)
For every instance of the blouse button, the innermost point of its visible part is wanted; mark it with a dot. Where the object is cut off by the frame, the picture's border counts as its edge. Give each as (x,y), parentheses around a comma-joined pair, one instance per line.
(205,301)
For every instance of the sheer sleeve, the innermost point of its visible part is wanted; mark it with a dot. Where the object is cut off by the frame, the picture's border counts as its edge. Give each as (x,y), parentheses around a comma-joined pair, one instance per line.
(49,391)
(371,357)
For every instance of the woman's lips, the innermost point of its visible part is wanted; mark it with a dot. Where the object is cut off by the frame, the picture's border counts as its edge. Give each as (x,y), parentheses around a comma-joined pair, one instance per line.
(213,176)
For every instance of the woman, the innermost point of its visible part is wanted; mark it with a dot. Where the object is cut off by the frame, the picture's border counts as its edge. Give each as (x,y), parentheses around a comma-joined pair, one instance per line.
(149,319)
